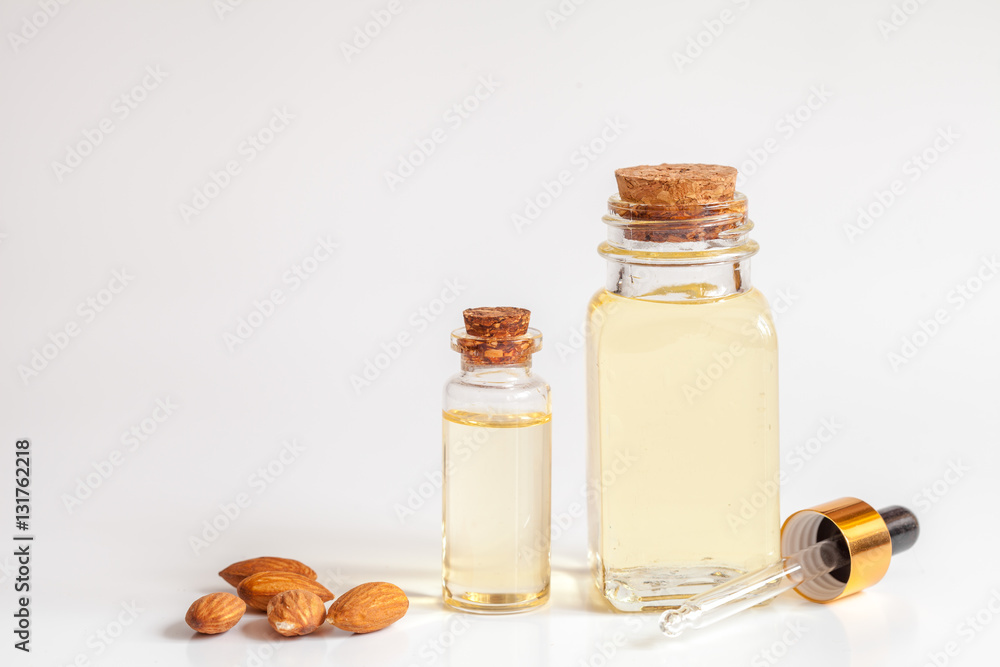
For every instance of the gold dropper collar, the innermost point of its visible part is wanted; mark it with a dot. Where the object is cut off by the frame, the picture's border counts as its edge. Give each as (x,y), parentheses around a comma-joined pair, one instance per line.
(866,537)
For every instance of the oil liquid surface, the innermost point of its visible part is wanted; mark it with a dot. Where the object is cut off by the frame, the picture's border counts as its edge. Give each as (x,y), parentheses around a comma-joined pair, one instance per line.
(683,452)
(497,509)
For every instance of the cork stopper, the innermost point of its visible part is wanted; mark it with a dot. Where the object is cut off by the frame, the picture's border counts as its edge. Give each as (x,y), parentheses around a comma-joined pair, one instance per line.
(678,203)
(676,184)
(499,322)
(496,336)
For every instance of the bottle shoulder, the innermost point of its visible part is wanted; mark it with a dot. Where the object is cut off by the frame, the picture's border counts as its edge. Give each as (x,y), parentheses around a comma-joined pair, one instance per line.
(497,393)
(750,302)
(745,311)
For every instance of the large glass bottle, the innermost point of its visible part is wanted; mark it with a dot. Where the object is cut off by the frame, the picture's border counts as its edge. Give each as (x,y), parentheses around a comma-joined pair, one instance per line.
(682,393)
(497,467)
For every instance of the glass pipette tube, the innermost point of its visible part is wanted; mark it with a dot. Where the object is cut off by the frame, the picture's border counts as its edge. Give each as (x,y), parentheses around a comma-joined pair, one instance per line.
(755,587)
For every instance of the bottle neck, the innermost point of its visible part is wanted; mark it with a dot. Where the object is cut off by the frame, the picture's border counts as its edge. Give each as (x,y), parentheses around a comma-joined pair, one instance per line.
(692,253)
(495,374)
(678,283)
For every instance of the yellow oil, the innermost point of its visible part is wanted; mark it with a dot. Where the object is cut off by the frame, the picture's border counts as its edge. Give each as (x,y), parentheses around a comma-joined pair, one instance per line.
(683,452)
(497,509)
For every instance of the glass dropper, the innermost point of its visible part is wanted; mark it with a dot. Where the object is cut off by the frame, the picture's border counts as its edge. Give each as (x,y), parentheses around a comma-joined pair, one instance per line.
(898,525)
(756,587)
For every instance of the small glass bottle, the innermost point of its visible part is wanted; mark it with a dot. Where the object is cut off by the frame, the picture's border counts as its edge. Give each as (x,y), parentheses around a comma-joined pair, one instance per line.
(497,467)
(682,393)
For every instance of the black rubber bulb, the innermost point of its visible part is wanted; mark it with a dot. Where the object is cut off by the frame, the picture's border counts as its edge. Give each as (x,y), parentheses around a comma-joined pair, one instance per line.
(904,529)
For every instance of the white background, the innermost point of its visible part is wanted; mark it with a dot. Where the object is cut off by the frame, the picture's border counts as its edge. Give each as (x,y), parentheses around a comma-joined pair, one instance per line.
(836,97)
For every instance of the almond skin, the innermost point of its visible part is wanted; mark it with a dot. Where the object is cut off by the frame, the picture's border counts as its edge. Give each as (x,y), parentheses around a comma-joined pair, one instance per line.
(368,607)
(295,612)
(237,572)
(215,613)
(258,589)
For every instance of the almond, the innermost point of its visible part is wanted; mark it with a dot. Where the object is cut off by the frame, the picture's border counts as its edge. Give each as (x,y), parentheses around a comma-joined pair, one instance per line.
(215,613)
(295,612)
(368,607)
(258,589)
(237,572)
